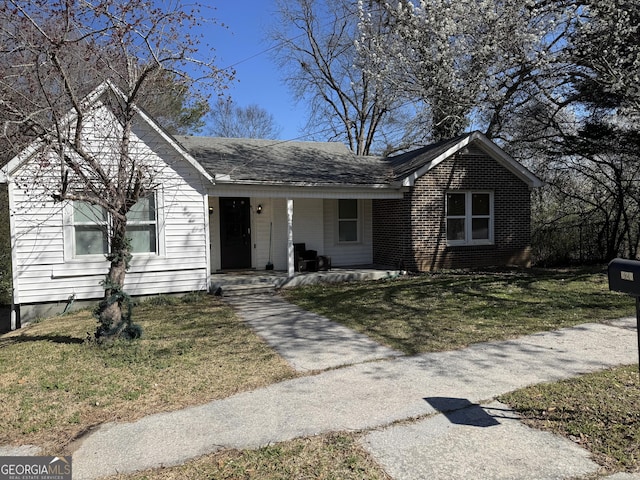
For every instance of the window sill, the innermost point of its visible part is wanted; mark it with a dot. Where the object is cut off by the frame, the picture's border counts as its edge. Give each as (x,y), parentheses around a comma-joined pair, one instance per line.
(342,244)
(470,244)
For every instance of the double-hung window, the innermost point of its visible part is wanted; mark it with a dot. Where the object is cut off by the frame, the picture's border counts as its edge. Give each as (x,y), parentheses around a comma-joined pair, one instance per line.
(141,226)
(469,218)
(348,221)
(91,227)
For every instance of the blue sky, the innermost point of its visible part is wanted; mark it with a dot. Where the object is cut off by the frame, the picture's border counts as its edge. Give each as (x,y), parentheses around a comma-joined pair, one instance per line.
(241,45)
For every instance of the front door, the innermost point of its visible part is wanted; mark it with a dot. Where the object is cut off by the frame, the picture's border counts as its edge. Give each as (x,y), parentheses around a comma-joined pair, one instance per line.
(235,233)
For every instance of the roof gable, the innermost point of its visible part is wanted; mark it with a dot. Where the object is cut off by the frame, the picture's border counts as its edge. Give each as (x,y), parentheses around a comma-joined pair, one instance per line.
(410,166)
(94,98)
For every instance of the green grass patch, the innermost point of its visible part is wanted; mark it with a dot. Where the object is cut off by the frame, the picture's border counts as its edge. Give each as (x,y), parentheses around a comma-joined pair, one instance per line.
(600,411)
(327,457)
(55,385)
(435,312)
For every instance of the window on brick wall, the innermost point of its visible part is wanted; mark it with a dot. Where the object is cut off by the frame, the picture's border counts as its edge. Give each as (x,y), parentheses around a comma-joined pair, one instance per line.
(469,218)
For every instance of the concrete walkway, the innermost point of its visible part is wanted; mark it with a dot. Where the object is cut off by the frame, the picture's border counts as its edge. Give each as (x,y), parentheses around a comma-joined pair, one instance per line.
(306,340)
(461,431)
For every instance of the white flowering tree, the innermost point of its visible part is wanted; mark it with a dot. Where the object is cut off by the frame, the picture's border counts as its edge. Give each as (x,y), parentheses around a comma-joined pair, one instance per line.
(586,136)
(466,63)
(606,47)
(601,153)
(54,54)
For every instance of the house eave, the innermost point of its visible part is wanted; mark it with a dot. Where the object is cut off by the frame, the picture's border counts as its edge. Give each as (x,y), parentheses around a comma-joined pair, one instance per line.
(306,190)
(221,180)
(487,146)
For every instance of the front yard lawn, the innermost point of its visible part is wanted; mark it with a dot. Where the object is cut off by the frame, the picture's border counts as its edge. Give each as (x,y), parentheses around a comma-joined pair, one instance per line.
(54,386)
(599,411)
(435,312)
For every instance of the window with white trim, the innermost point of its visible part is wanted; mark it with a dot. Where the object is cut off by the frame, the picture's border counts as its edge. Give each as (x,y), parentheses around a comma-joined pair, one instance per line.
(90,226)
(141,226)
(348,221)
(469,218)
(90,229)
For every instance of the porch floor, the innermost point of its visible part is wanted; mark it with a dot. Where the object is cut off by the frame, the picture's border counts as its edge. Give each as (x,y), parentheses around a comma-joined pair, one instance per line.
(257,281)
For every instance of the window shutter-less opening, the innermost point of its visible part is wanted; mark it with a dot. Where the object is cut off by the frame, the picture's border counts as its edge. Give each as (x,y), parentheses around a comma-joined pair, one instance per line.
(348,223)
(469,218)
(90,227)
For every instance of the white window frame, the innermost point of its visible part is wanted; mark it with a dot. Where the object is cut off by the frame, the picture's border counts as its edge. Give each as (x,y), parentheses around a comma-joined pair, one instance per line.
(468,218)
(70,250)
(358,221)
(102,224)
(147,223)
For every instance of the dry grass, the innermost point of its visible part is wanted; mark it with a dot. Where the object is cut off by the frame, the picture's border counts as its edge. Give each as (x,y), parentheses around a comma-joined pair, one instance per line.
(54,385)
(334,456)
(599,411)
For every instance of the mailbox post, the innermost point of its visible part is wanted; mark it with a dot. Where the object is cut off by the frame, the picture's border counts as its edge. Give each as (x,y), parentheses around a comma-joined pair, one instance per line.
(624,276)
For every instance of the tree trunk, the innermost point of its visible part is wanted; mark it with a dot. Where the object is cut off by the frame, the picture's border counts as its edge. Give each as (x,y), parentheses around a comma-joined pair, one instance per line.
(114,312)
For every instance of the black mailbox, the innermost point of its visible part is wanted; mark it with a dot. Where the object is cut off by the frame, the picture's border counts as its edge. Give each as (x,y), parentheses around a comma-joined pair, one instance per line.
(624,276)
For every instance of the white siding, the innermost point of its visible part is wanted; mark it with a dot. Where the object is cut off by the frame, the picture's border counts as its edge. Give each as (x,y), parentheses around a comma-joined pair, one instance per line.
(44,274)
(214,234)
(342,255)
(307,228)
(260,232)
(308,223)
(280,259)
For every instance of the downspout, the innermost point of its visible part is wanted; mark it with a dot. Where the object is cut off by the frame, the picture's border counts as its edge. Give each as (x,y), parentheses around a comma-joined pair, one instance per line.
(14,311)
(15,296)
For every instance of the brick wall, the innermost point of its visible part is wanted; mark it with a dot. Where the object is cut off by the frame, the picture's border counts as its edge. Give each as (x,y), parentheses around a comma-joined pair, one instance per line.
(411,233)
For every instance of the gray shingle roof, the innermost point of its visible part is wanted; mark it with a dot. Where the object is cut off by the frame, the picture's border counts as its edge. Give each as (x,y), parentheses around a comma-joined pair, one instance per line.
(408,162)
(311,163)
(274,161)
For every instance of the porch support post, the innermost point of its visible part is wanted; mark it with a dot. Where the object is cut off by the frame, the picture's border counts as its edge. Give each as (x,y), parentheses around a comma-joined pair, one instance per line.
(290,259)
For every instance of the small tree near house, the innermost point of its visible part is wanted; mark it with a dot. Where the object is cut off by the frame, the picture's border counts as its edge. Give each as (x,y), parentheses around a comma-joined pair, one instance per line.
(67,66)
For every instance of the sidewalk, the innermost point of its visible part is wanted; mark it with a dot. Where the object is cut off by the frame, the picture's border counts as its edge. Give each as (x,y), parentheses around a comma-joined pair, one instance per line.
(474,437)
(307,341)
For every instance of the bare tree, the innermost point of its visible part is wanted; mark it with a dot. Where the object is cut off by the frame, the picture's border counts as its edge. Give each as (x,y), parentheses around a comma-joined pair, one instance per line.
(316,45)
(60,57)
(233,121)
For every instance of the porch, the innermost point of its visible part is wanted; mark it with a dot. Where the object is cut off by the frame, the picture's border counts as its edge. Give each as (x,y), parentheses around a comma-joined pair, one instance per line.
(249,282)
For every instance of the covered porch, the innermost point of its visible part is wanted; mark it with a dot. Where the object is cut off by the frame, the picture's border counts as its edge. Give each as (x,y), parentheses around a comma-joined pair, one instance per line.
(251,230)
(249,282)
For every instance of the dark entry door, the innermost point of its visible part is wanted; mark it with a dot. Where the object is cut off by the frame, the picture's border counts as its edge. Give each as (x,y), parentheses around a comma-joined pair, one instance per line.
(235,233)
